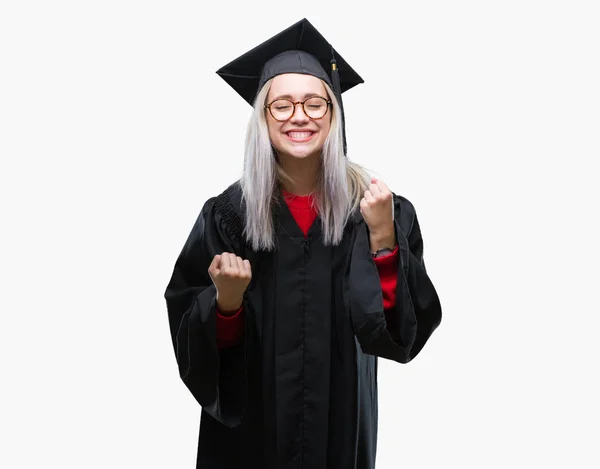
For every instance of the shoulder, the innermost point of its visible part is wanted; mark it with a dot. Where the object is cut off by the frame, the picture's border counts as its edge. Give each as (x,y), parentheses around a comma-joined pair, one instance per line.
(229,211)
(403,203)
(232,195)
(404,212)
(221,204)
(206,223)
(219,212)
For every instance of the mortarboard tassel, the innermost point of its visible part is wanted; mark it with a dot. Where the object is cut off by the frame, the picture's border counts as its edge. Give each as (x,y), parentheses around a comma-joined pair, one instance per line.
(337,89)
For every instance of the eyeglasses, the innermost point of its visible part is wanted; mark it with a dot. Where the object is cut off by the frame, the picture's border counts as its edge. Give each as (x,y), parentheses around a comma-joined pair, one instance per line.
(314,107)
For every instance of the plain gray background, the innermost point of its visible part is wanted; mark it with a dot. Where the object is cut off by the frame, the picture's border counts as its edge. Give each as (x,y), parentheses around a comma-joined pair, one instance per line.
(115,129)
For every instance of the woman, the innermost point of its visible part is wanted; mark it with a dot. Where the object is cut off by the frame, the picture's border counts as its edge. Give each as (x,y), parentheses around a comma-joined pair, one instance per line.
(296,278)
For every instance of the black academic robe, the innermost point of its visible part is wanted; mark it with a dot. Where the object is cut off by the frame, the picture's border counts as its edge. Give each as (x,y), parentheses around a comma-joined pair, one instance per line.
(300,390)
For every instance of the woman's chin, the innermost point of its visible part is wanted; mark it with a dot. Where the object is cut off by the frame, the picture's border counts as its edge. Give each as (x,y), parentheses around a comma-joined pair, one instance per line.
(300,151)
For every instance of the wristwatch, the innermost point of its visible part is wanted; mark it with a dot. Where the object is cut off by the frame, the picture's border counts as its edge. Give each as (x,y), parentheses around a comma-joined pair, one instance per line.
(381,252)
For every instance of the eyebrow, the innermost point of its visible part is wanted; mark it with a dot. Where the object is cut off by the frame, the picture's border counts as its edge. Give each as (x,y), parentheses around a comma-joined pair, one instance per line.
(289,96)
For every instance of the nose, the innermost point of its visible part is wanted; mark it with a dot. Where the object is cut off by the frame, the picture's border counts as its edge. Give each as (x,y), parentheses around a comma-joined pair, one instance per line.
(299,115)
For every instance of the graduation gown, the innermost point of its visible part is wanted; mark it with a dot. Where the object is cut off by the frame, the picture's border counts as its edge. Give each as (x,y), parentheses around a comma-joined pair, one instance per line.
(300,389)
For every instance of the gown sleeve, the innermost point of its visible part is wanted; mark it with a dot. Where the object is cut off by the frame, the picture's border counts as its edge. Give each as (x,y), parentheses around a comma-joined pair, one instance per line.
(398,333)
(216,378)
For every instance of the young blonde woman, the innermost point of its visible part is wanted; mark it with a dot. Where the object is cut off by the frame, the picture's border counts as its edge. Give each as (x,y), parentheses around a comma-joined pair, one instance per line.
(297,277)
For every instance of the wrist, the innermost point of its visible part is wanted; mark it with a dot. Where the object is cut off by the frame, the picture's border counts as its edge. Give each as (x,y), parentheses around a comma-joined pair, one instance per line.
(381,239)
(228,307)
(227,314)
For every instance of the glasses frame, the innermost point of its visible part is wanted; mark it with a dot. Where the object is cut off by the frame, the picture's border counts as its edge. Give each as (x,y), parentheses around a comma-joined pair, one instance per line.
(327,101)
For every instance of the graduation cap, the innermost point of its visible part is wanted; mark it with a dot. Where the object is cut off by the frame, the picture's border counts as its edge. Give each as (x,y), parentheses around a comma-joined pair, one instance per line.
(297,49)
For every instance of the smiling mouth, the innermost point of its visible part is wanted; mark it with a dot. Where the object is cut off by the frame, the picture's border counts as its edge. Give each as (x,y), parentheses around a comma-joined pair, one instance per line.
(299,136)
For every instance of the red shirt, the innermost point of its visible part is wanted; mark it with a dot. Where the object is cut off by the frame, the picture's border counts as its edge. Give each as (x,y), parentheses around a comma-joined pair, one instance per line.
(230,327)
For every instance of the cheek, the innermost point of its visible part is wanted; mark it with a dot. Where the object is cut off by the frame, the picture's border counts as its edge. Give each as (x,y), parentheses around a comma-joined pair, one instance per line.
(325,132)
(274,131)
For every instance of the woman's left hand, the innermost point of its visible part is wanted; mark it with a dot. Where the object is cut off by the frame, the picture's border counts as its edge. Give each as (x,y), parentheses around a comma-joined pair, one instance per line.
(376,208)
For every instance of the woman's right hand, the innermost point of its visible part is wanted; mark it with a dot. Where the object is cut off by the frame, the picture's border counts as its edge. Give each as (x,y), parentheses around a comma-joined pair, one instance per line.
(231,275)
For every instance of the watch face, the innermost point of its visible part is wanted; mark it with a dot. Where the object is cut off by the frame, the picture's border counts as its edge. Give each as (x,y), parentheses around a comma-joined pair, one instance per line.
(383,252)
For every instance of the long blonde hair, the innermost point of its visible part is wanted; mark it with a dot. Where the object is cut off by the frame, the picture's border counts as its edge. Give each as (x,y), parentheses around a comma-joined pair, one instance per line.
(340,183)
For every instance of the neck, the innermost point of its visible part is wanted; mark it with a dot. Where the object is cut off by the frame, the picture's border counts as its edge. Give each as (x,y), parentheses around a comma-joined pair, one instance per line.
(304,172)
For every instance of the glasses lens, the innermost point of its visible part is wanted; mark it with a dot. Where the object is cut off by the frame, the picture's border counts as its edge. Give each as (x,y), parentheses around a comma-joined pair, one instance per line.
(315,107)
(282,109)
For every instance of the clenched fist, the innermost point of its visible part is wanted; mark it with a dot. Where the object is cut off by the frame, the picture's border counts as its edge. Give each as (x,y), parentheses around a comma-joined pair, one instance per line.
(377,207)
(231,275)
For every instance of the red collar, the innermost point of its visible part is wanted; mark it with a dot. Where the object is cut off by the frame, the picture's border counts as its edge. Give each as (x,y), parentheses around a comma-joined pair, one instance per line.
(300,202)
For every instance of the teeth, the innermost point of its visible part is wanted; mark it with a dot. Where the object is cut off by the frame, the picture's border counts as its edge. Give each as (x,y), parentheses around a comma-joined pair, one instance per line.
(300,134)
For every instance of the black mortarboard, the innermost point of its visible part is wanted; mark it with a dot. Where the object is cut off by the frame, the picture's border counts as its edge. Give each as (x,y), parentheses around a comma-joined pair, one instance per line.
(297,49)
